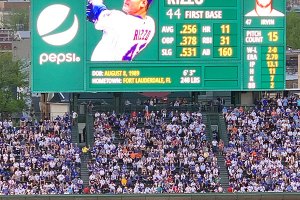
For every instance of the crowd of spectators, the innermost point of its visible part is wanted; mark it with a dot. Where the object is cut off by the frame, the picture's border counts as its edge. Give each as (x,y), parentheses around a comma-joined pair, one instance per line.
(156,152)
(264,146)
(163,151)
(39,158)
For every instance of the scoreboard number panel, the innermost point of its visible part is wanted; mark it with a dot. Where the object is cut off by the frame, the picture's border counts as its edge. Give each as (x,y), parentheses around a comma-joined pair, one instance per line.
(198,45)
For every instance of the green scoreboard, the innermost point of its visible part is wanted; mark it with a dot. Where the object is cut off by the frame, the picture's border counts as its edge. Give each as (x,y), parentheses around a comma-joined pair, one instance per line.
(195,45)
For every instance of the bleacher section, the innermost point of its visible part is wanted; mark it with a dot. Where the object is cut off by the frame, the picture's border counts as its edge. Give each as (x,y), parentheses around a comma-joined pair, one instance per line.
(154,153)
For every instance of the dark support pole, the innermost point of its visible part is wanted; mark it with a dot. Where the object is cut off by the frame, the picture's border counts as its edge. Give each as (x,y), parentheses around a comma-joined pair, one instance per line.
(74,102)
(195,97)
(88,130)
(117,100)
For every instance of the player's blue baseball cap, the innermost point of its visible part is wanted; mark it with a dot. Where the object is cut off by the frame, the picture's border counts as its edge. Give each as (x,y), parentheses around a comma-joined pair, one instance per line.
(149,2)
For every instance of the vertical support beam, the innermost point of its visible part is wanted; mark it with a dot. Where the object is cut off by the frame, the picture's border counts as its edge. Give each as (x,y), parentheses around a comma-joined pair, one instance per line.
(74,102)
(117,100)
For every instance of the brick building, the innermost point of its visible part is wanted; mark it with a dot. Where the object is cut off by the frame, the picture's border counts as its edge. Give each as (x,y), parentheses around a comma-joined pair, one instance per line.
(9,34)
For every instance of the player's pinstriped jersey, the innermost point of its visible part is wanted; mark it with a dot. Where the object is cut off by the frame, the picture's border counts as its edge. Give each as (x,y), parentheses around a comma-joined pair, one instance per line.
(124,36)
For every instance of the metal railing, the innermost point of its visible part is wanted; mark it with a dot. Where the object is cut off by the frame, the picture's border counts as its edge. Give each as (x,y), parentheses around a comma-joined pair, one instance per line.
(159,107)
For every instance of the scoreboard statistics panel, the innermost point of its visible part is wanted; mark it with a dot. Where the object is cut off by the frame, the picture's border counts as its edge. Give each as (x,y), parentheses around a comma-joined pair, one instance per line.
(205,45)
(199,30)
(198,48)
(198,45)
(264,48)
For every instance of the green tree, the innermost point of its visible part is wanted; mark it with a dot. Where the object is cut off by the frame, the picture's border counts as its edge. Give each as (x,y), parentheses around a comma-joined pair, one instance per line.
(293,30)
(11,77)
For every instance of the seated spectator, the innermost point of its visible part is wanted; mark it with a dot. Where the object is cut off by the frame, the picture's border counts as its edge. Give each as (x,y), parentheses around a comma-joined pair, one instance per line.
(127,102)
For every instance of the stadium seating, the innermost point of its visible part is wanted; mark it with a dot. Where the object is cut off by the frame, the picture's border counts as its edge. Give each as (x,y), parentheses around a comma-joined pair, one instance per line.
(263,152)
(159,152)
(39,158)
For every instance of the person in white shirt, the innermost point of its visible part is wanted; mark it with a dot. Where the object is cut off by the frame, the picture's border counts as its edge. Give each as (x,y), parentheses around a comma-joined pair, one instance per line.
(74,117)
(125,34)
(264,8)
(119,190)
(97,114)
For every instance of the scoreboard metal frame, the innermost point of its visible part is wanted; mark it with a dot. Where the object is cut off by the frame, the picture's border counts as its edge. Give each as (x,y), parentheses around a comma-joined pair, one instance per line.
(199,45)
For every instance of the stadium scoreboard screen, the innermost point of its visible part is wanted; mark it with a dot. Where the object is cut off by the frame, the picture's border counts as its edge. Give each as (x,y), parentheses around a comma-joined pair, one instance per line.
(194,45)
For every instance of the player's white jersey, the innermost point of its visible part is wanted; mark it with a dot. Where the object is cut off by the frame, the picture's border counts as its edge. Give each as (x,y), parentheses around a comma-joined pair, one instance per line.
(124,36)
(273,13)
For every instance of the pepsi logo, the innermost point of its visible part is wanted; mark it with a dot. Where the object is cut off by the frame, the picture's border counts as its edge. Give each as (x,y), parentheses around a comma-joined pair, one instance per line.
(50,25)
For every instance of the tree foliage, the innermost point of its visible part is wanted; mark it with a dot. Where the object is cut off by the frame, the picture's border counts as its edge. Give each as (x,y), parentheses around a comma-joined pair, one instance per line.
(11,77)
(293,30)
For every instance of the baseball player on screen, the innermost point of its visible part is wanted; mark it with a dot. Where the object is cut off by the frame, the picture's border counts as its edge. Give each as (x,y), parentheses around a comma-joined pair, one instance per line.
(264,8)
(125,34)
